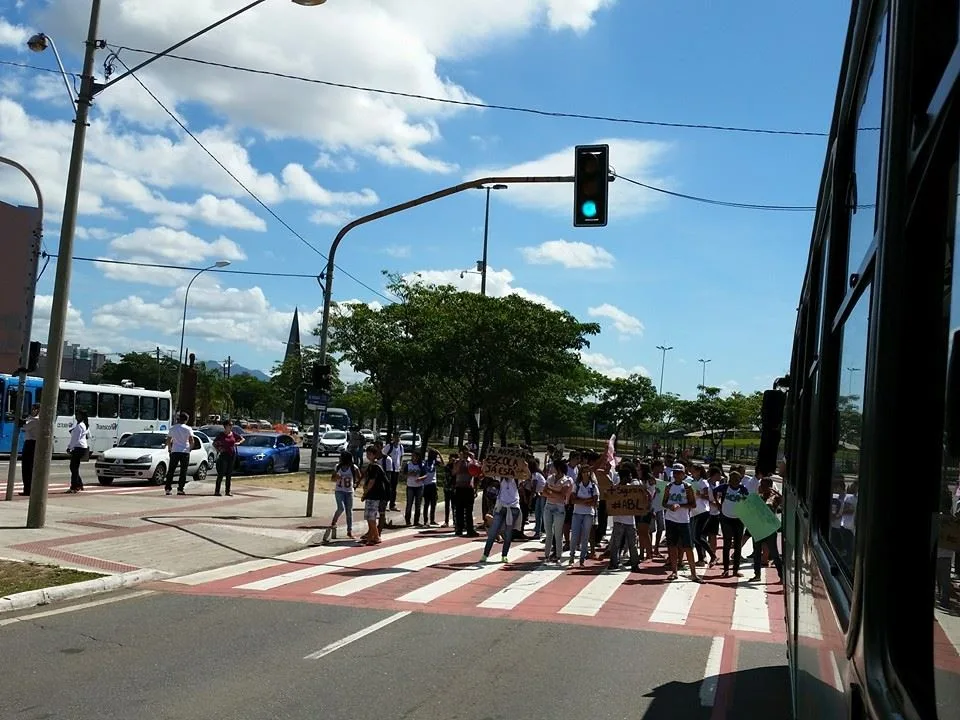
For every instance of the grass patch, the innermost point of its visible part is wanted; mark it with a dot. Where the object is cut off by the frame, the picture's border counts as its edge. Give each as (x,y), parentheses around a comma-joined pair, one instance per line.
(17,577)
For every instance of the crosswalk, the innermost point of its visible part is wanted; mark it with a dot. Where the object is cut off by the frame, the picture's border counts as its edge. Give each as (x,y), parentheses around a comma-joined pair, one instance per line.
(433,571)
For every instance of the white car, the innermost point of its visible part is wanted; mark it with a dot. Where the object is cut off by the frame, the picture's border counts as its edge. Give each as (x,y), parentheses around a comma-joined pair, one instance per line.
(207,444)
(368,435)
(144,456)
(410,442)
(334,441)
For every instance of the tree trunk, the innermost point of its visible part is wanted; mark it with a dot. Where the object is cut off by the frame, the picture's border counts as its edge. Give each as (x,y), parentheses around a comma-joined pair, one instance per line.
(488,433)
(474,428)
(388,409)
(502,432)
(527,435)
(425,437)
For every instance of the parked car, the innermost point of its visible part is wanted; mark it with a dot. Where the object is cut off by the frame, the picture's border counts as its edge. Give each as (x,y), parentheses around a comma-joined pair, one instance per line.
(144,456)
(207,444)
(267,453)
(409,441)
(334,441)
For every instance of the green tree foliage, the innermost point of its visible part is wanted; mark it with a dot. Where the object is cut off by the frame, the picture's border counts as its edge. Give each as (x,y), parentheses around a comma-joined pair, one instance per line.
(630,399)
(142,369)
(715,414)
(361,401)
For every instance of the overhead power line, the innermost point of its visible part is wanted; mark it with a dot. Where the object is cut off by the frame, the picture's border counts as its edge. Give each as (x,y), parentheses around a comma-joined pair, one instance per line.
(239,182)
(721,203)
(166,266)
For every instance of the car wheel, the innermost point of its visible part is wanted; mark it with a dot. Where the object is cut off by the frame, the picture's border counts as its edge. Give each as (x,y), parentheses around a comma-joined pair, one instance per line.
(211,460)
(201,473)
(159,475)
(104,480)
(295,465)
(271,469)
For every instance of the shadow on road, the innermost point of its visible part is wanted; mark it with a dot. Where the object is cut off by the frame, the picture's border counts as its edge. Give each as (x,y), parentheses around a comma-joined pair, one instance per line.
(755,693)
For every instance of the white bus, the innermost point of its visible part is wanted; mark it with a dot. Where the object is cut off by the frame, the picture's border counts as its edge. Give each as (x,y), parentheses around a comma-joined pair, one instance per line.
(114,411)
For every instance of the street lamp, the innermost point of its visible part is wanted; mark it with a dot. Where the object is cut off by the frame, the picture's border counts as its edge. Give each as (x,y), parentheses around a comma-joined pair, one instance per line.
(486,229)
(703,381)
(183,324)
(89,89)
(663,362)
(851,370)
(39,43)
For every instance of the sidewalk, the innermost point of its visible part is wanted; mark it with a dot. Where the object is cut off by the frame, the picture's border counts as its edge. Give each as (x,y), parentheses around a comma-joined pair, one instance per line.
(116,533)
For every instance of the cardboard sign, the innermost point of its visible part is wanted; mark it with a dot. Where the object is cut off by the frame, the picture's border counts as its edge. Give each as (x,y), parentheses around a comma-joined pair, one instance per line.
(603,482)
(949,537)
(627,500)
(757,517)
(506,462)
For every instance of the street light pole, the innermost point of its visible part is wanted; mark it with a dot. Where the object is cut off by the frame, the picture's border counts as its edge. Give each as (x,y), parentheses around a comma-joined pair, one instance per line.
(183,324)
(486,230)
(703,381)
(20,410)
(663,361)
(851,370)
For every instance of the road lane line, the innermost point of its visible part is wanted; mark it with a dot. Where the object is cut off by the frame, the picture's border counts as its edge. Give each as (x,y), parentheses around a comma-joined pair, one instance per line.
(750,611)
(333,647)
(348,562)
(676,602)
(593,597)
(72,608)
(711,673)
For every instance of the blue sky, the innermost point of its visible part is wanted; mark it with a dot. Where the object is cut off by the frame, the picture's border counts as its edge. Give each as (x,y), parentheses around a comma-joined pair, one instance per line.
(712,282)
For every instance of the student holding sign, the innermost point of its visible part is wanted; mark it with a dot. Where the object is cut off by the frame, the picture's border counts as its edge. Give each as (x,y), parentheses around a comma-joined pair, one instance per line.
(625,526)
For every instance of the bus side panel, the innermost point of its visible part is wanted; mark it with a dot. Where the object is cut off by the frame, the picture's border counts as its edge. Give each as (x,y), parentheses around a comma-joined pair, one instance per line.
(791,578)
(821,642)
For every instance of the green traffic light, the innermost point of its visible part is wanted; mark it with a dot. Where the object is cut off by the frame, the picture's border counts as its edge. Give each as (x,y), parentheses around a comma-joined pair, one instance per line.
(589,209)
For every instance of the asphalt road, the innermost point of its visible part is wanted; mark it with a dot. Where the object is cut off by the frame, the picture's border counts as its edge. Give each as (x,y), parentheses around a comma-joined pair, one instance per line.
(205,658)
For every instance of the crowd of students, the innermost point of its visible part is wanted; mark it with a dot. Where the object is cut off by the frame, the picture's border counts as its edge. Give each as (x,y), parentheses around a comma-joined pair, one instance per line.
(692,508)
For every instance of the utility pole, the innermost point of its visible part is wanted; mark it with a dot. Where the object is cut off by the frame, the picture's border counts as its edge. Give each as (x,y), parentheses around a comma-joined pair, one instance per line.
(703,381)
(159,367)
(229,366)
(486,232)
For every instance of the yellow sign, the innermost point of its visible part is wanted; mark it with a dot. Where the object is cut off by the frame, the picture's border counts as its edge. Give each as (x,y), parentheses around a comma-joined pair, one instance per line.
(506,462)
(627,500)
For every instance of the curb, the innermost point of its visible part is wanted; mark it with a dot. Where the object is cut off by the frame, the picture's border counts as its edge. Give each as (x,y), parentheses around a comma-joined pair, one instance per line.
(60,593)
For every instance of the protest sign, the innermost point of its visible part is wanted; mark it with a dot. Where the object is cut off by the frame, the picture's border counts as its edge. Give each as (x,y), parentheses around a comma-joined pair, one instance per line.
(506,462)
(627,500)
(949,537)
(757,517)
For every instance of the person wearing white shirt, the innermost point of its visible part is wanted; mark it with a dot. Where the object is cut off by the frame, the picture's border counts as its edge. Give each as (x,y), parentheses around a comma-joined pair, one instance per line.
(395,452)
(78,447)
(537,483)
(624,526)
(556,490)
(678,501)
(584,497)
(31,432)
(180,439)
(505,516)
(700,516)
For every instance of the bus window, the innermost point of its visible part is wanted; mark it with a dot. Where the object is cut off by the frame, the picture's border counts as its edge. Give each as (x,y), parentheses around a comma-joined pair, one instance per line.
(129,407)
(867,164)
(844,489)
(108,406)
(65,403)
(148,408)
(164,410)
(87,402)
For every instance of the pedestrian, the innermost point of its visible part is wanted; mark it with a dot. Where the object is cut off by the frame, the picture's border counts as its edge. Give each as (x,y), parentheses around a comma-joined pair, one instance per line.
(624,526)
(728,494)
(505,515)
(226,446)
(395,452)
(376,489)
(31,430)
(537,482)
(556,491)
(584,497)
(464,494)
(79,449)
(679,500)
(413,470)
(430,492)
(449,485)
(179,444)
(346,477)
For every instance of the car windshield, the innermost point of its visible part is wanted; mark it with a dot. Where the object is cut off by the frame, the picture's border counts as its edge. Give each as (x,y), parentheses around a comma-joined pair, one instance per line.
(258,441)
(335,435)
(153,441)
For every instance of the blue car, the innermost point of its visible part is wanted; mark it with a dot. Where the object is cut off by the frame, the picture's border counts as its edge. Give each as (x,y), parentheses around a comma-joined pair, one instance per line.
(264,453)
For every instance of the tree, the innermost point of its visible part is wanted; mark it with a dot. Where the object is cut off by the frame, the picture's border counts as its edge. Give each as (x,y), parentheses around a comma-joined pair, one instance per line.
(623,400)
(142,369)
(361,401)
(714,414)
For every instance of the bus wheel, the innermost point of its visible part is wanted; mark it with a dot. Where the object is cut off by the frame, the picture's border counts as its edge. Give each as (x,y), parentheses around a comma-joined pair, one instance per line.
(159,475)
(201,473)
(104,480)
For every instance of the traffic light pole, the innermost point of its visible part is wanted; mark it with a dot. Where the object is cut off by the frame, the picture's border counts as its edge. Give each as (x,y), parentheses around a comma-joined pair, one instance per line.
(386,212)
(312,483)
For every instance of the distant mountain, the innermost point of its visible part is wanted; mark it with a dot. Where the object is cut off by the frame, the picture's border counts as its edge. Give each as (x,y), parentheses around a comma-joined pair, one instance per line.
(235,369)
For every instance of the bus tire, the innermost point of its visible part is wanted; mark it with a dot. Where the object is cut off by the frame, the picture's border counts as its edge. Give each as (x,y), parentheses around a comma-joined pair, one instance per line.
(159,475)
(201,473)
(104,480)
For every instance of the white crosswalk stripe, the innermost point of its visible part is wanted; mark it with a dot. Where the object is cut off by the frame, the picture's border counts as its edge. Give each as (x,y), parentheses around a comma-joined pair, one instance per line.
(750,611)
(594,596)
(676,602)
(522,588)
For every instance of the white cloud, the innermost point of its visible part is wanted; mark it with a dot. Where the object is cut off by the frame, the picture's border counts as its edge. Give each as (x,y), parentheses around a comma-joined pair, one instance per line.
(92,233)
(499,283)
(334,218)
(625,323)
(326,161)
(14,36)
(178,246)
(569,254)
(398,251)
(395,44)
(611,368)
(302,186)
(636,159)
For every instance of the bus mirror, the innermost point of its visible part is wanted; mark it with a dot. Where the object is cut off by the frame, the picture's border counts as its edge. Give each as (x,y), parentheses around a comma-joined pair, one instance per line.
(771,422)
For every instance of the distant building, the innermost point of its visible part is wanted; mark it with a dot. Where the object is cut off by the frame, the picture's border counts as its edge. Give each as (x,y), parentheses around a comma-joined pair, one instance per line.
(293,341)
(79,363)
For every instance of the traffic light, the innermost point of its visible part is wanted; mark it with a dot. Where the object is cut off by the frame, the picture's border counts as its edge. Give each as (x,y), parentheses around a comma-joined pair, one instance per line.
(590,185)
(33,357)
(322,381)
